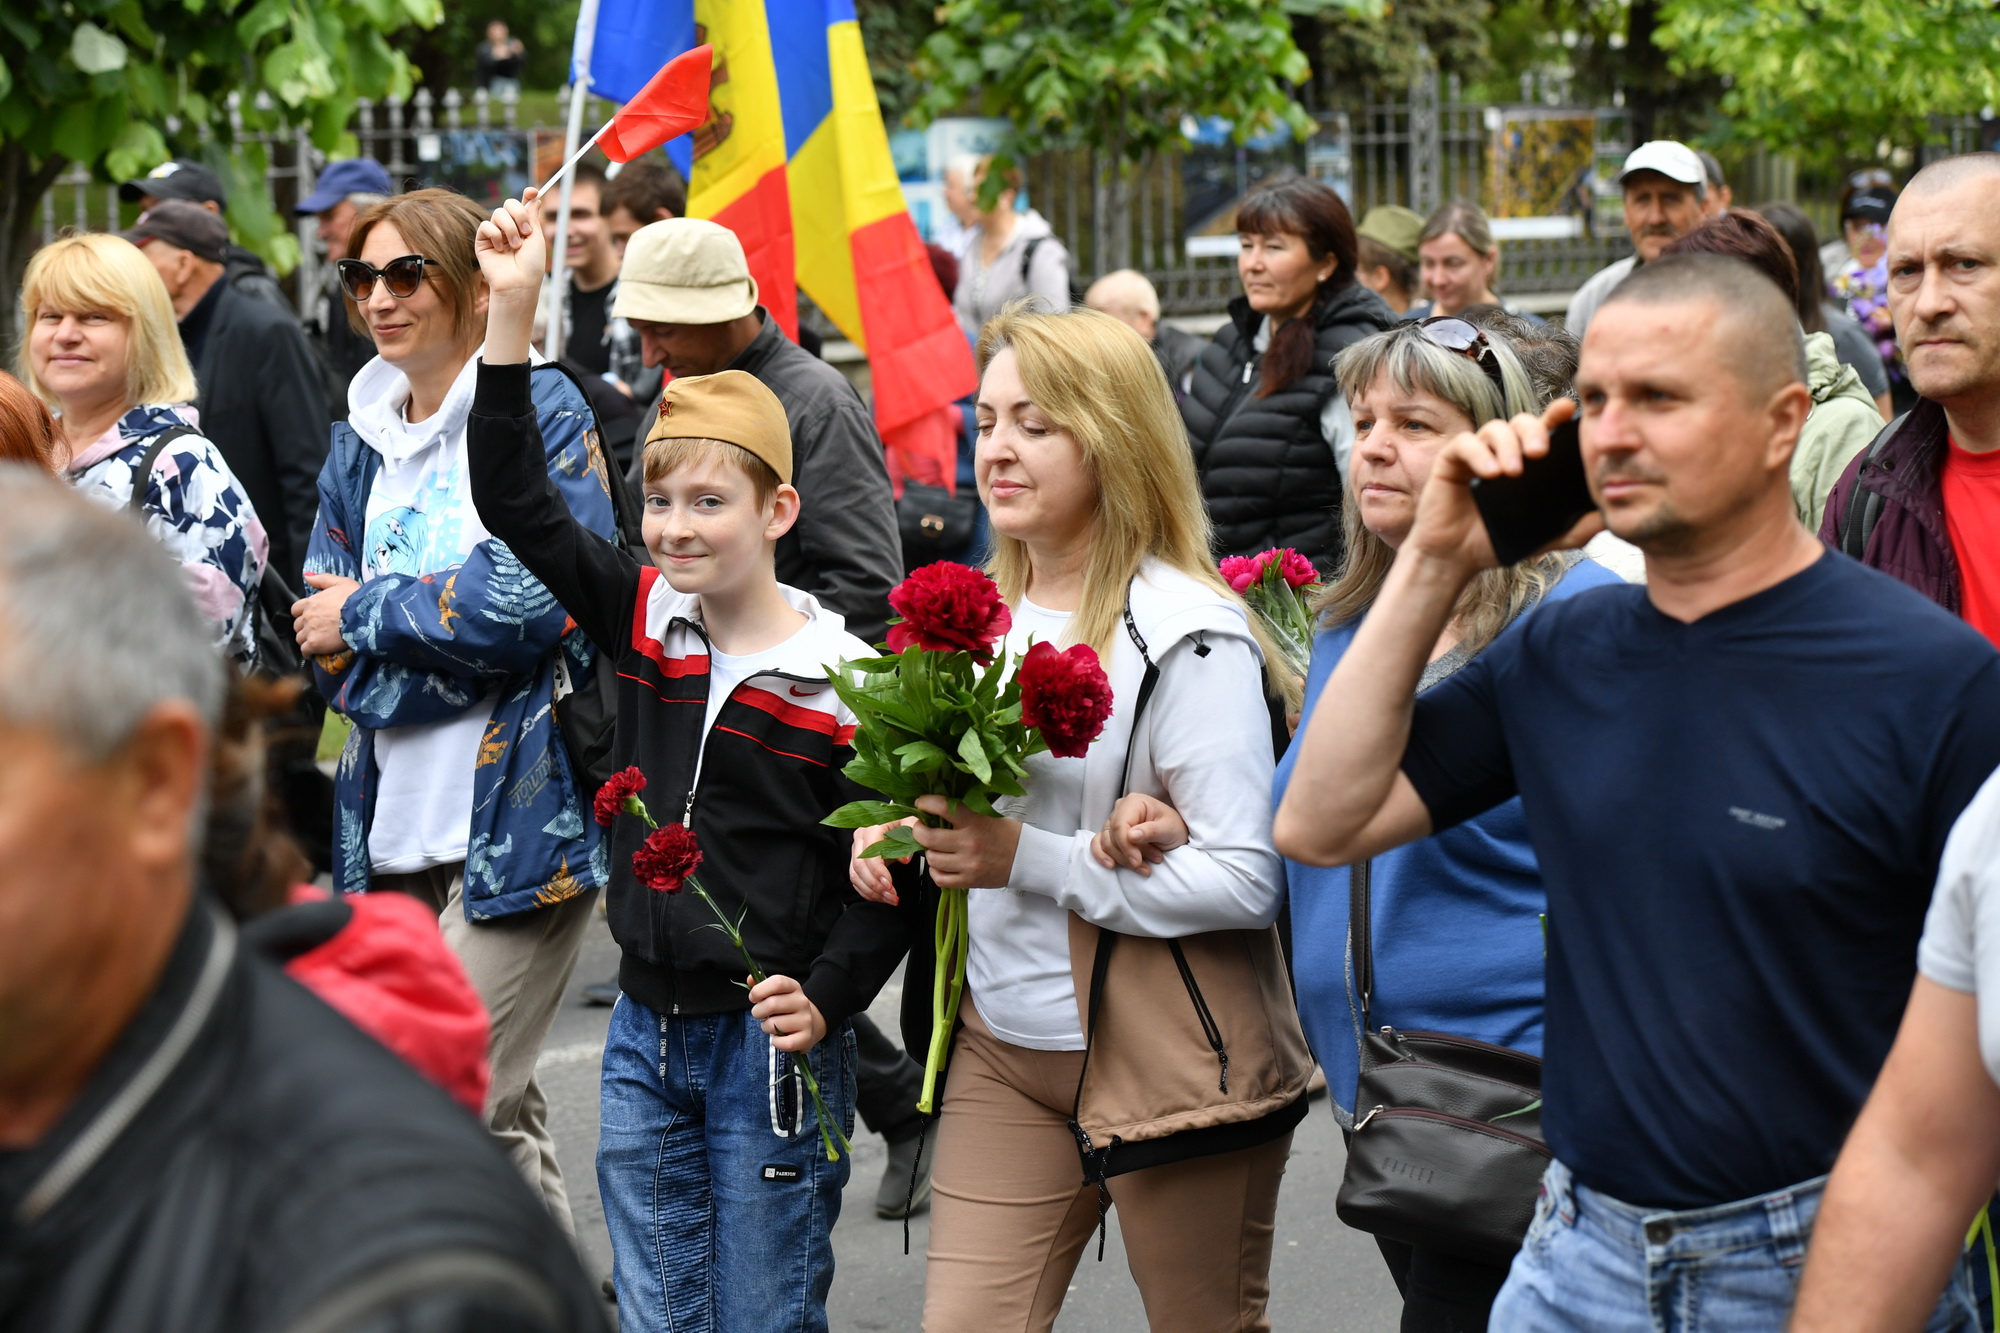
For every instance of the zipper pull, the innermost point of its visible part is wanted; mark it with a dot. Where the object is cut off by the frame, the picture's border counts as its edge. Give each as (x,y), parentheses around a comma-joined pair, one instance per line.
(1248,366)
(687,812)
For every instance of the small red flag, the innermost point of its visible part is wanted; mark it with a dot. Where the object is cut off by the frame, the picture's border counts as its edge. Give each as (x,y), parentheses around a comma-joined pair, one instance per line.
(673,102)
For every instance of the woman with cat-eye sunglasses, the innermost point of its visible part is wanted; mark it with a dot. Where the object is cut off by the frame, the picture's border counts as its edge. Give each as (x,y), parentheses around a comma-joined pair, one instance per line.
(401,276)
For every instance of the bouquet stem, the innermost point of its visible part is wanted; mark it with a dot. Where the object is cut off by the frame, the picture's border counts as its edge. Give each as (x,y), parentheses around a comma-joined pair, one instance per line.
(829,1131)
(947,986)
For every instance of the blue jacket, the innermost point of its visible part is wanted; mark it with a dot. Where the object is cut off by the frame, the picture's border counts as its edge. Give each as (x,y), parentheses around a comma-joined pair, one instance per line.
(428,647)
(1456,916)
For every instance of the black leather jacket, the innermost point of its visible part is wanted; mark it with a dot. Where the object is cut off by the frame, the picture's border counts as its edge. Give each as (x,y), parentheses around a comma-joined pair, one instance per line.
(246,1160)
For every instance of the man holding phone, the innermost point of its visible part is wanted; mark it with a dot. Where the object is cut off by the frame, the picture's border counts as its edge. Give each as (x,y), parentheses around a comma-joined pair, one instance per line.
(1737,824)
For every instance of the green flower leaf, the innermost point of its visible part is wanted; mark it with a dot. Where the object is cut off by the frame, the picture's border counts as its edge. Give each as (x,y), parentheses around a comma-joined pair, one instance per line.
(974,754)
(865,814)
(900,842)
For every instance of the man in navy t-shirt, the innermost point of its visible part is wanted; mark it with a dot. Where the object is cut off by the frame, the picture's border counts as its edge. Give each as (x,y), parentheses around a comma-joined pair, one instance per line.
(1738,781)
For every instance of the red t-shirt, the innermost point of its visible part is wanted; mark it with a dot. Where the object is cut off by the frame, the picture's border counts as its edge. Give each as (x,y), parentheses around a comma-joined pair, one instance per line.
(1972,517)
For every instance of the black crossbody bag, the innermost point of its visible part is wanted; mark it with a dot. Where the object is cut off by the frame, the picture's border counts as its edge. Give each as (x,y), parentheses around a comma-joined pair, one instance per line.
(1447,1149)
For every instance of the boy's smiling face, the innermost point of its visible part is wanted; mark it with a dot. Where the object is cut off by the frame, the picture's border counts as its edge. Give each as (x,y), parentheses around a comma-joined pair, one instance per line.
(706,529)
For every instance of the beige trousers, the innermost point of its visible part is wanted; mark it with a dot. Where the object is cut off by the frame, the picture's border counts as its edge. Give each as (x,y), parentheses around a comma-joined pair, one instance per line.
(1010,1215)
(520,965)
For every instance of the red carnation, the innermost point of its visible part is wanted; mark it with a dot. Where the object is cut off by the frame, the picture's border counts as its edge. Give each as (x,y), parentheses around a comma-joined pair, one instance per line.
(1065,696)
(613,796)
(949,608)
(666,859)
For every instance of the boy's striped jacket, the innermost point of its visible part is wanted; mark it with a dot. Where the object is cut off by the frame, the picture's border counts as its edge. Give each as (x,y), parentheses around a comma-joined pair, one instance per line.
(753,787)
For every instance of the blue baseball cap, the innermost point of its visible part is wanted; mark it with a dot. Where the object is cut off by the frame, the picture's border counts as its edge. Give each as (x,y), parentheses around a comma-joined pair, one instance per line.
(354,175)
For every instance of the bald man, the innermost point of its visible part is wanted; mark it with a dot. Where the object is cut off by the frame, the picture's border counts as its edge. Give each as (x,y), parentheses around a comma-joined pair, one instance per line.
(1737,824)
(1943,456)
(1926,1149)
(1128,295)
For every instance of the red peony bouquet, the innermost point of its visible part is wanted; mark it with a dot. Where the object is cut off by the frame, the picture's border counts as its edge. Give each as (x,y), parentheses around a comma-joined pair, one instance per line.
(942,715)
(665,863)
(1278,584)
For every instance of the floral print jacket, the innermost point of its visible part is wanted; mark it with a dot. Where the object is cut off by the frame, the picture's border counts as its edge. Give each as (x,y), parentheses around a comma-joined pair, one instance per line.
(194,507)
(427,647)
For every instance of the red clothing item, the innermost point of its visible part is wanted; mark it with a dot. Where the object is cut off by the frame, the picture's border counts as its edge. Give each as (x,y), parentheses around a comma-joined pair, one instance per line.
(390,973)
(1971,493)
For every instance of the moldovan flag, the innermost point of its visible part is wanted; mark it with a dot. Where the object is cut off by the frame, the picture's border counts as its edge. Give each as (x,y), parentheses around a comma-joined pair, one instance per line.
(794,159)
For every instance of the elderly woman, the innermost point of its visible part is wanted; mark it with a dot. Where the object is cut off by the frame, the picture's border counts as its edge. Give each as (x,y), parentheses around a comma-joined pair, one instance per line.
(104,352)
(1100,539)
(444,652)
(1454,917)
(1269,428)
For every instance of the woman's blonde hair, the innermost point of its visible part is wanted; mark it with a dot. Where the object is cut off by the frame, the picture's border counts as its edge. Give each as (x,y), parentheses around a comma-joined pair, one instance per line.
(1415,364)
(98,273)
(1098,380)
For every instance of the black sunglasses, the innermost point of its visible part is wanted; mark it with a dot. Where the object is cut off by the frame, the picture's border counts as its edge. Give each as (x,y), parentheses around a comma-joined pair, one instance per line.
(1469,341)
(401,276)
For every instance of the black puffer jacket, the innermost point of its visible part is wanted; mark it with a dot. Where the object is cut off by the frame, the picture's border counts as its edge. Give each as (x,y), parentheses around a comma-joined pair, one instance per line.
(1266,471)
(247,1161)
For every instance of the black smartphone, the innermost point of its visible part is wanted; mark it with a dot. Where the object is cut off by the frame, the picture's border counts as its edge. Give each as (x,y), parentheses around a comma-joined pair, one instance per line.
(1525,513)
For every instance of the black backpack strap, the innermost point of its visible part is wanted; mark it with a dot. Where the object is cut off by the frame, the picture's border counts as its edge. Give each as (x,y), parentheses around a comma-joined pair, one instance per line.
(624,505)
(1360,943)
(154,448)
(1864,504)
(1028,258)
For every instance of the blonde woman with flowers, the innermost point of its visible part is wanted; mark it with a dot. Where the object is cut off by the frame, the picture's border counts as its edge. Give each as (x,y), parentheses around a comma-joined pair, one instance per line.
(1130,983)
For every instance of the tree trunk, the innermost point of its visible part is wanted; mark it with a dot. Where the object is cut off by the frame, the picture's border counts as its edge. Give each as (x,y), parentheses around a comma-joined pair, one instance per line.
(23,182)
(1645,70)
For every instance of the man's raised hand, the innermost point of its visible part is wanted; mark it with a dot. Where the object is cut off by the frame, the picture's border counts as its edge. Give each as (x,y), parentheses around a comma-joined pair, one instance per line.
(1448,526)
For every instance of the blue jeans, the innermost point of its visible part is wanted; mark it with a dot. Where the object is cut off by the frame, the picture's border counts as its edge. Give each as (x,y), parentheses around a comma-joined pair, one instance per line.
(720,1222)
(1596,1265)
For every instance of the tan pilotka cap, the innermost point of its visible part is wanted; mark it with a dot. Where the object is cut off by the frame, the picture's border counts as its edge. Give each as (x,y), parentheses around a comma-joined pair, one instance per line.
(732,406)
(684,271)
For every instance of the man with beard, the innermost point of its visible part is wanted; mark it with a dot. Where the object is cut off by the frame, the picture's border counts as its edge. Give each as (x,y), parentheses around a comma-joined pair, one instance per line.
(1738,779)
(1666,193)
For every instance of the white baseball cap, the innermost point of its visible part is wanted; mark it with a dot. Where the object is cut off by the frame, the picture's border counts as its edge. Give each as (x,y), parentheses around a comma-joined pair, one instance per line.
(1676,161)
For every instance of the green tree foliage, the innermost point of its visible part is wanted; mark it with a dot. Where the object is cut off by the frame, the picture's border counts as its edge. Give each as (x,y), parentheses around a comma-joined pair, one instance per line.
(448,54)
(1117,76)
(894,31)
(121,85)
(1829,81)
(1355,48)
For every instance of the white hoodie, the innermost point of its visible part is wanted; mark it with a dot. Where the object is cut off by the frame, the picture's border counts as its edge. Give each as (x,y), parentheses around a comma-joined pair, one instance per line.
(420,520)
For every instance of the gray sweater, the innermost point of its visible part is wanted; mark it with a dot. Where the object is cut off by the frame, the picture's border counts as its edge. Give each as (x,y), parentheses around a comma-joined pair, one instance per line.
(985,290)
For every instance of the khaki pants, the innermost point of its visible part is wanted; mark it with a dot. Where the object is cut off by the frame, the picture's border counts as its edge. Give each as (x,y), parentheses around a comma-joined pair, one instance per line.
(520,965)
(1010,1216)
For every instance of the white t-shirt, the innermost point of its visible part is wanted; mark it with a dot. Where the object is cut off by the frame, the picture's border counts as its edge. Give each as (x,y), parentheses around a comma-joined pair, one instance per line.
(1960,949)
(421,520)
(725,673)
(1018,964)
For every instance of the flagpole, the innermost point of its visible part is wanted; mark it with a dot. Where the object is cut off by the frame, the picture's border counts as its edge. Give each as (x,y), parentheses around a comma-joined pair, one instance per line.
(579,92)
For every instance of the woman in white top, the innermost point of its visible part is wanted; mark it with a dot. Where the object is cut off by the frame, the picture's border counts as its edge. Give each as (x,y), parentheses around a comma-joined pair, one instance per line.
(1196,1070)
(445,653)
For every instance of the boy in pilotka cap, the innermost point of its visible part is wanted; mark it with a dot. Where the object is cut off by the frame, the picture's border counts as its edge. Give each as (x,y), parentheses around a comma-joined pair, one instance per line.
(717,1191)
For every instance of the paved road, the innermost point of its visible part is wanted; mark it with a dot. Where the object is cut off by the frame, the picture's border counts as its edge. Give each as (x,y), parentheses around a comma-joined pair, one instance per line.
(1324,1277)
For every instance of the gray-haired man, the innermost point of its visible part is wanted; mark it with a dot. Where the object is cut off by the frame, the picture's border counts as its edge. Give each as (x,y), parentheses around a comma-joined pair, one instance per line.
(187,1138)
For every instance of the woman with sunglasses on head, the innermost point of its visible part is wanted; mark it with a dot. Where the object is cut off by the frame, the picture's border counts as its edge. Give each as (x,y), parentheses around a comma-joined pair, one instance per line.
(444,652)
(102,350)
(1455,918)
(1269,428)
